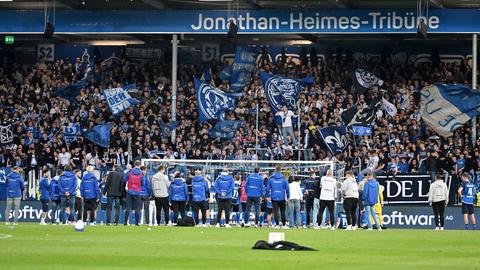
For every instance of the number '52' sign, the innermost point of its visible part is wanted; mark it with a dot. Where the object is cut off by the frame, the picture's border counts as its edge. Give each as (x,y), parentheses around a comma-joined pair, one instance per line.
(46,52)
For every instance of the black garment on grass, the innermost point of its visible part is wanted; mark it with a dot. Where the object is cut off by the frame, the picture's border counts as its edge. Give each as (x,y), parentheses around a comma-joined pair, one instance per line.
(280,245)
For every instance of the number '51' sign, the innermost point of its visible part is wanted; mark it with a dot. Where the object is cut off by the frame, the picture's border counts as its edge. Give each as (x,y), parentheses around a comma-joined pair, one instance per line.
(46,52)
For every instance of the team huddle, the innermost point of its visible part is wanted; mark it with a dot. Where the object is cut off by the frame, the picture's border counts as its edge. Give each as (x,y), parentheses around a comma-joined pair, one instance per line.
(258,200)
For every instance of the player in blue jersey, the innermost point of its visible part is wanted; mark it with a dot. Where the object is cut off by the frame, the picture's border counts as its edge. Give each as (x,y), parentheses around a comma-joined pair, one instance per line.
(236,201)
(467,193)
(341,220)
(44,194)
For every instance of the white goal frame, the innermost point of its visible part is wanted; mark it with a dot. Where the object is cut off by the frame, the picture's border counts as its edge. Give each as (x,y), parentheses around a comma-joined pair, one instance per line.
(330,164)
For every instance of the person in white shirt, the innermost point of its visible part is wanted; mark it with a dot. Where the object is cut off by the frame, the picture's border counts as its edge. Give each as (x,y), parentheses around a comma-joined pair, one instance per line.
(296,197)
(438,199)
(287,125)
(372,164)
(64,158)
(350,202)
(328,190)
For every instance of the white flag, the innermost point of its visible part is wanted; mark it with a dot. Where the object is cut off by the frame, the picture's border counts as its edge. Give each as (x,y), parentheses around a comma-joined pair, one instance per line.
(389,107)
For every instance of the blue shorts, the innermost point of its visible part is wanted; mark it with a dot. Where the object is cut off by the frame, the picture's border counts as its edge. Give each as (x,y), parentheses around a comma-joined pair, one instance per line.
(44,205)
(467,208)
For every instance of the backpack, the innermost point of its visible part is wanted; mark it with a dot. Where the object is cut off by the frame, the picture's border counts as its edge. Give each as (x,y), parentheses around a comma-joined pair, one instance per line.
(135,182)
(186,222)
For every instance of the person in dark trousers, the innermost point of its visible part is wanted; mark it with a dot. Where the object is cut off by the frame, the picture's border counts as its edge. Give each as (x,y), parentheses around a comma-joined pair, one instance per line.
(55,196)
(15,186)
(311,186)
(160,184)
(223,187)
(278,192)
(44,194)
(178,197)
(438,199)
(146,194)
(133,179)
(255,190)
(78,196)
(200,195)
(115,191)
(328,185)
(350,202)
(67,184)
(91,195)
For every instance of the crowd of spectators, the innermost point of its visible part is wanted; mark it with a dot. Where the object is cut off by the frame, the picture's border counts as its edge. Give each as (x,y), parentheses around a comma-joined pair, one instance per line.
(404,142)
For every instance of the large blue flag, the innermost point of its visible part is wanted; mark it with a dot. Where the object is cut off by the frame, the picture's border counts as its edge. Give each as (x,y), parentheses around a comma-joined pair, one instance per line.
(335,138)
(71,91)
(100,135)
(119,99)
(282,91)
(242,68)
(226,73)
(225,129)
(207,75)
(212,102)
(70,132)
(447,107)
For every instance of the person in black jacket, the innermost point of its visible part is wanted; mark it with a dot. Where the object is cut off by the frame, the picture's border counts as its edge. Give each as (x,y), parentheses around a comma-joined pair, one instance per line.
(114,190)
(432,164)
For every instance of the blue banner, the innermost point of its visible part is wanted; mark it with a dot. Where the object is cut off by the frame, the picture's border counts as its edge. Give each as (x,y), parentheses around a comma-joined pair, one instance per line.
(283,91)
(4,171)
(225,129)
(212,102)
(70,132)
(362,131)
(335,138)
(100,135)
(313,21)
(71,91)
(243,67)
(119,99)
(207,75)
(447,107)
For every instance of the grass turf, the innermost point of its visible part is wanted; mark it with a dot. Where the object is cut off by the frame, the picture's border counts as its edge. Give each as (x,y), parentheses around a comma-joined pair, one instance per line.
(30,246)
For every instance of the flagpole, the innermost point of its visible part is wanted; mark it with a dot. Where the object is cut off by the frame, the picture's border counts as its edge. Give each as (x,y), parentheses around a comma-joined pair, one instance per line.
(256,133)
(474,84)
(174,83)
(299,134)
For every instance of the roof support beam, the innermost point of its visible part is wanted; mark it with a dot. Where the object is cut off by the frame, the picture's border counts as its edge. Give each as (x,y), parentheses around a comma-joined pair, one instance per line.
(155,3)
(340,3)
(437,3)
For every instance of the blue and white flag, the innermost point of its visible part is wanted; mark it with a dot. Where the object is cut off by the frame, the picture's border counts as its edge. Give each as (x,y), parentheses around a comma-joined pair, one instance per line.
(70,132)
(335,138)
(282,91)
(226,73)
(225,129)
(4,171)
(362,131)
(212,102)
(446,107)
(71,91)
(363,80)
(389,107)
(100,135)
(242,68)
(119,99)
(207,75)
(167,128)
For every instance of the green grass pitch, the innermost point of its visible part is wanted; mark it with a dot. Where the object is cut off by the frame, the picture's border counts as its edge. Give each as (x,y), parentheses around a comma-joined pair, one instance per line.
(30,246)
